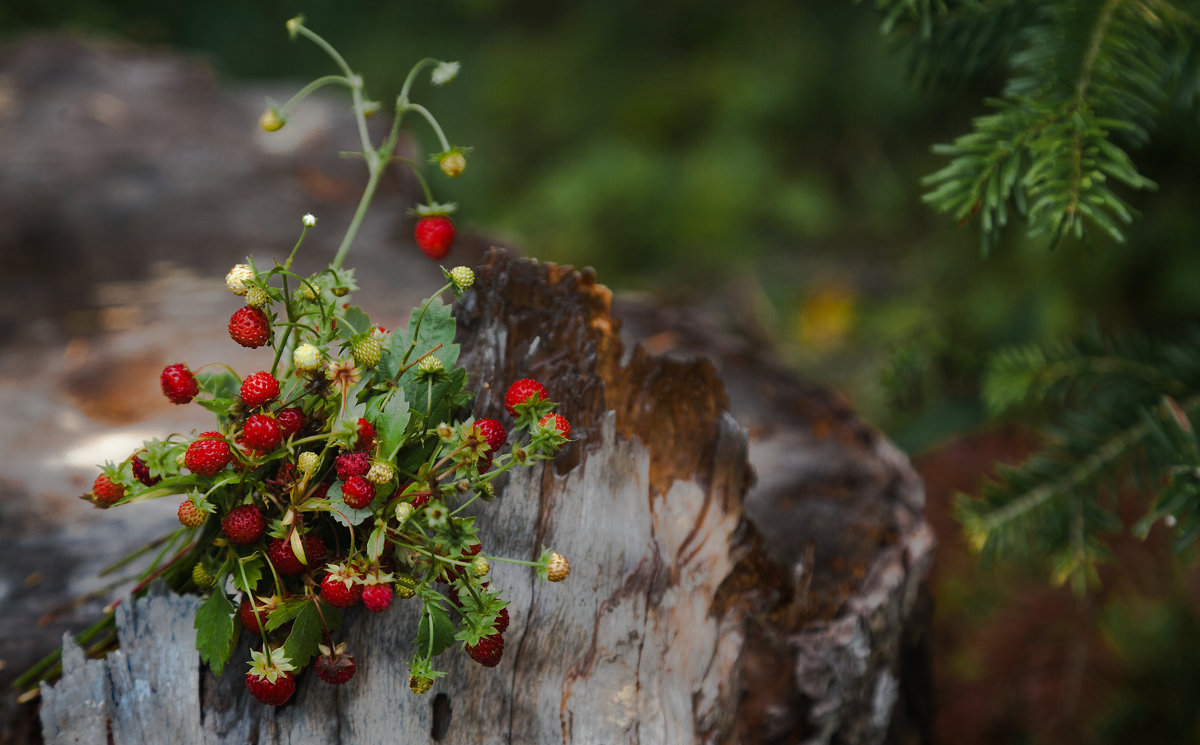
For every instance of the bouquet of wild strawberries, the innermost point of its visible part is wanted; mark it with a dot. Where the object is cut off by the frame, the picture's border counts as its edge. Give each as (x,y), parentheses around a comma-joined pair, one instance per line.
(339,474)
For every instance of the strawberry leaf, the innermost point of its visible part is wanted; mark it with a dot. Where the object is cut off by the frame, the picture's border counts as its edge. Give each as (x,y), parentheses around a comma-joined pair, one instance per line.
(435,632)
(219,383)
(376,541)
(437,327)
(285,611)
(301,644)
(391,423)
(436,399)
(353,321)
(215,637)
(250,573)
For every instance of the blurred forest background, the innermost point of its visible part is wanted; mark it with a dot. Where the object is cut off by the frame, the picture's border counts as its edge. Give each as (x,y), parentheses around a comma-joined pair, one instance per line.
(763,159)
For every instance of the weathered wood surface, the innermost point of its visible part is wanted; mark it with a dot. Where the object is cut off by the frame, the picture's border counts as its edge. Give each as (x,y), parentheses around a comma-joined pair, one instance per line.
(700,608)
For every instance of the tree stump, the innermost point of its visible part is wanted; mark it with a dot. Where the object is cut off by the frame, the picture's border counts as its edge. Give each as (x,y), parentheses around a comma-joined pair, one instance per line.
(728,585)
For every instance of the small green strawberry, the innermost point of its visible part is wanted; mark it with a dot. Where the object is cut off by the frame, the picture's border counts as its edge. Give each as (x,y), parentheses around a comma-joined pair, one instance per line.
(367,351)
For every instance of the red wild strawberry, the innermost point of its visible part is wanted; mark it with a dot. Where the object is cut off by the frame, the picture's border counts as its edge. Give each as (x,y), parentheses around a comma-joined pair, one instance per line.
(259,388)
(291,421)
(208,454)
(377,598)
(243,524)
(178,383)
(262,433)
(250,327)
(271,678)
(279,552)
(272,692)
(502,621)
(190,516)
(493,432)
(357,492)
(339,588)
(366,435)
(106,490)
(141,471)
(434,235)
(521,391)
(334,666)
(558,422)
(356,463)
(488,651)
(253,612)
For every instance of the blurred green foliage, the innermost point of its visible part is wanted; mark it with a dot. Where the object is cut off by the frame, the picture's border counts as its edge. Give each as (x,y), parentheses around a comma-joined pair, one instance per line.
(730,152)
(763,156)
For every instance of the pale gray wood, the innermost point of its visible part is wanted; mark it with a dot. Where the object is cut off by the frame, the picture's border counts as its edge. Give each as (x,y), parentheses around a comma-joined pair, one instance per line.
(76,709)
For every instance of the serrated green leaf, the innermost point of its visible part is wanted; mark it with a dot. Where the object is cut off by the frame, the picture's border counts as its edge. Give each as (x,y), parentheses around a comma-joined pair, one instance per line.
(302,642)
(436,326)
(435,632)
(286,611)
(391,424)
(375,543)
(248,576)
(436,399)
(215,637)
(353,321)
(218,383)
(220,406)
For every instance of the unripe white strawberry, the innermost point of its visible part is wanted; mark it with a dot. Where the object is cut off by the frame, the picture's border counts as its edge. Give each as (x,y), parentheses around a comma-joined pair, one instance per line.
(480,567)
(404,511)
(306,357)
(379,473)
(558,568)
(462,276)
(308,462)
(237,278)
(430,365)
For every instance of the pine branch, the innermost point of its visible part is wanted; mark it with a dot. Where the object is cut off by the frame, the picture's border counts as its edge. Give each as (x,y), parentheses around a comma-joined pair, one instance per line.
(1084,75)
(1050,511)
(1048,377)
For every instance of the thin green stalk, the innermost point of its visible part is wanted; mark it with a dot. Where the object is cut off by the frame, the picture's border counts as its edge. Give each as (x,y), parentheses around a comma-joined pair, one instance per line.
(135,554)
(312,87)
(432,123)
(412,77)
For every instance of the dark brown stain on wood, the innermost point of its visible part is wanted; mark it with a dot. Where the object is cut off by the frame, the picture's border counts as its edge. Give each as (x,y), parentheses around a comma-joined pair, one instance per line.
(558,328)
